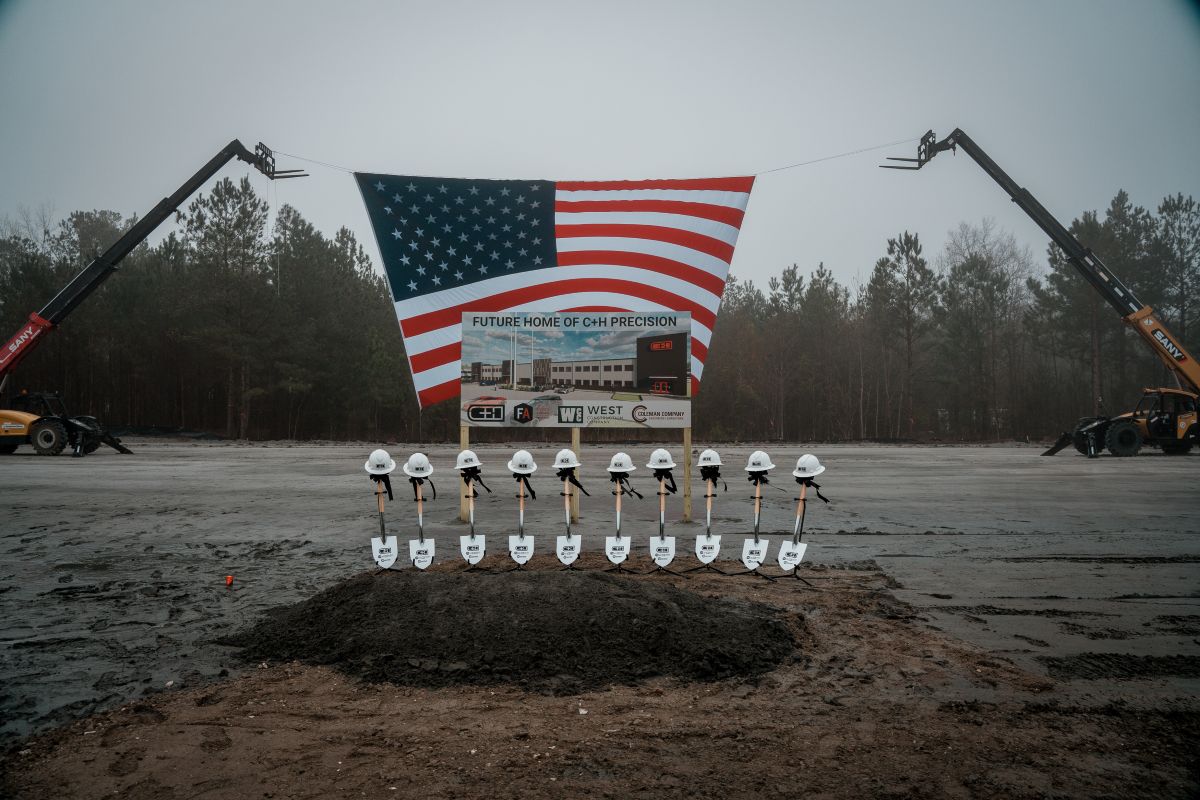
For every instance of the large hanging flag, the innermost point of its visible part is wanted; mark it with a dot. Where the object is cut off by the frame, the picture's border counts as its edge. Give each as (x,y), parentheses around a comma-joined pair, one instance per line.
(453,245)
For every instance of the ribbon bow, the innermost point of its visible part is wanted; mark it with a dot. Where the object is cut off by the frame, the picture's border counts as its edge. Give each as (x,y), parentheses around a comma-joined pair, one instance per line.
(386,480)
(418,481)
(665,475)
(816,487)
(713,473)
(472,474)
(525,480)
(568,475)
(621,479)
(758,478)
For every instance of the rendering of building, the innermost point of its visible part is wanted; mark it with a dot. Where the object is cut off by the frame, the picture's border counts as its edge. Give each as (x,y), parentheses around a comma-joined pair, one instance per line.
(660,367)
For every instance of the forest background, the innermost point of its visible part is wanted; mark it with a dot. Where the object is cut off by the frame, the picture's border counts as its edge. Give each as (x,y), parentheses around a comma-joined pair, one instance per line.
(236,328)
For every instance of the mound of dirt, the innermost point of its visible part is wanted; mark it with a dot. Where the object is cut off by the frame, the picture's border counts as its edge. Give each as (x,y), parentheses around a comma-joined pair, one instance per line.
(562,632)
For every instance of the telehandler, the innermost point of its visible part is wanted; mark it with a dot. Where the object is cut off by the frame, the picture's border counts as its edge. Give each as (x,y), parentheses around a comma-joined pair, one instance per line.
(1165,417)
(40,419)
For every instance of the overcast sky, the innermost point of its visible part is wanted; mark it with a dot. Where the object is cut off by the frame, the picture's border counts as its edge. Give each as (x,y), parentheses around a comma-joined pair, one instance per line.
(111,105)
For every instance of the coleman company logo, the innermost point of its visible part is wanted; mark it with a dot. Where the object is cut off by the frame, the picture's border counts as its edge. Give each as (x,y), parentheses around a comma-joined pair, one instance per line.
(1169,346)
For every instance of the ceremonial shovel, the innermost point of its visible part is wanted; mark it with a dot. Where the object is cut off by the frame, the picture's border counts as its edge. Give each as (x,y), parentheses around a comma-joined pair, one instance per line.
(708,547)
(419,550)
(384,548)
(663,552)
(791,553)
(518,548)
(472,548)
(568,550)
(617,547)
(754,551)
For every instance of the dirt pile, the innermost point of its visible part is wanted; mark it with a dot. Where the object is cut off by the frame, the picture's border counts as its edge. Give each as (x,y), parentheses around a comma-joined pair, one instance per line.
(561,632)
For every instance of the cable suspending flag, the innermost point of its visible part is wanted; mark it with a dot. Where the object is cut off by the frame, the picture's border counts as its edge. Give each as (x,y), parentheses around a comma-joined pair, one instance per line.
(454,245)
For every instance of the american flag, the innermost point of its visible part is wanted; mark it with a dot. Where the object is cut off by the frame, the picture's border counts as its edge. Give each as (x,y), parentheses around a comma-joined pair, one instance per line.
(453,245)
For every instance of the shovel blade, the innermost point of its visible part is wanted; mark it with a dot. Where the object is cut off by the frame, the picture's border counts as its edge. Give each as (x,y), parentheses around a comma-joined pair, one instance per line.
(791,554)
(707,548)
(754,553)
(567,548)
(472,549)
(662,550)
(421,552)
(520,548)
(384,551)
(617,548)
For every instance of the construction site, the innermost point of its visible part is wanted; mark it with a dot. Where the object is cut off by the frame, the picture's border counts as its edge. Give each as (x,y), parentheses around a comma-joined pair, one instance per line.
(921,529)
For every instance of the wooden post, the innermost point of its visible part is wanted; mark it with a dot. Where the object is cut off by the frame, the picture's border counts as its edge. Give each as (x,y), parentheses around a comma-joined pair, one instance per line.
(687,464)
(464,441)
(575,495)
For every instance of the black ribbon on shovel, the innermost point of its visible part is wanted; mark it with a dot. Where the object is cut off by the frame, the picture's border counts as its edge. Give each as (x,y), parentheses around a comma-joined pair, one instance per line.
(386,480)
(472,474)
(713,473)
(815,486)
(758,478)
(665,475)
(621,479)
(417,482)
(525,480)
(568,475)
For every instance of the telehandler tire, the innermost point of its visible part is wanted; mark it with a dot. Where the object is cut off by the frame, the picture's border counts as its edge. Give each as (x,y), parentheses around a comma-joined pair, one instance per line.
(1176,448)
(1079,438)
(1123,439)
(48,436)
(8,448)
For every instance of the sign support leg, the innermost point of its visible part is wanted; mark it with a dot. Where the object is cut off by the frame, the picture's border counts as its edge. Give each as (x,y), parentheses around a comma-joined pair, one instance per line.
(464,442)
(575,496)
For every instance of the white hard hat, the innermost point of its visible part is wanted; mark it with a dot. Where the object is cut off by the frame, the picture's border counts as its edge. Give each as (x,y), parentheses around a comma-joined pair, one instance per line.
(380,463)
(418,466)
(621,462)
(467,459)
(661,459)
(522,463)
(759,462)
(566,459)
(807,466)
(709,458)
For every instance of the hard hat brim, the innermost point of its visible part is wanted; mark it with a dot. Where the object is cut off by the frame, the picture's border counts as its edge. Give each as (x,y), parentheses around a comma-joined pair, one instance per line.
(514,468)
(661,466)
(763,468)
(630,468)
(412,474)
(803,473)
(391,465)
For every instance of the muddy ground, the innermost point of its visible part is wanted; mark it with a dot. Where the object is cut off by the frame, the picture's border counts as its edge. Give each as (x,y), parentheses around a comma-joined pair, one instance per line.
(1060,593)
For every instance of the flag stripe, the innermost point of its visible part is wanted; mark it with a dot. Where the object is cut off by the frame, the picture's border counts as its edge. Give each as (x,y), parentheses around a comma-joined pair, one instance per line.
(725,214)
(436,394)
(730,199)
(673,252)
(705,227)
(696,241)
(709,184)
(705,280)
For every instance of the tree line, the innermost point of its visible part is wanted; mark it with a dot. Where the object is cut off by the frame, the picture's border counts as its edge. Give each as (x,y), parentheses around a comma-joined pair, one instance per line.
(228,327)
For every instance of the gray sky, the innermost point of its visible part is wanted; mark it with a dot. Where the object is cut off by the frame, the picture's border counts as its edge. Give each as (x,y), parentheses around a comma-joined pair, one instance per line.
(111,105)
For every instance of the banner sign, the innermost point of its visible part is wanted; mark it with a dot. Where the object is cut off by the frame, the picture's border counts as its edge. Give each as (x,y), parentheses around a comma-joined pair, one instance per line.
(615,369)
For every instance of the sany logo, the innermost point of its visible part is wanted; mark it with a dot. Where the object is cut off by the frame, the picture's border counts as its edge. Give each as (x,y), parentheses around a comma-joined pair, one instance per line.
(20,339)
(1169,346)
